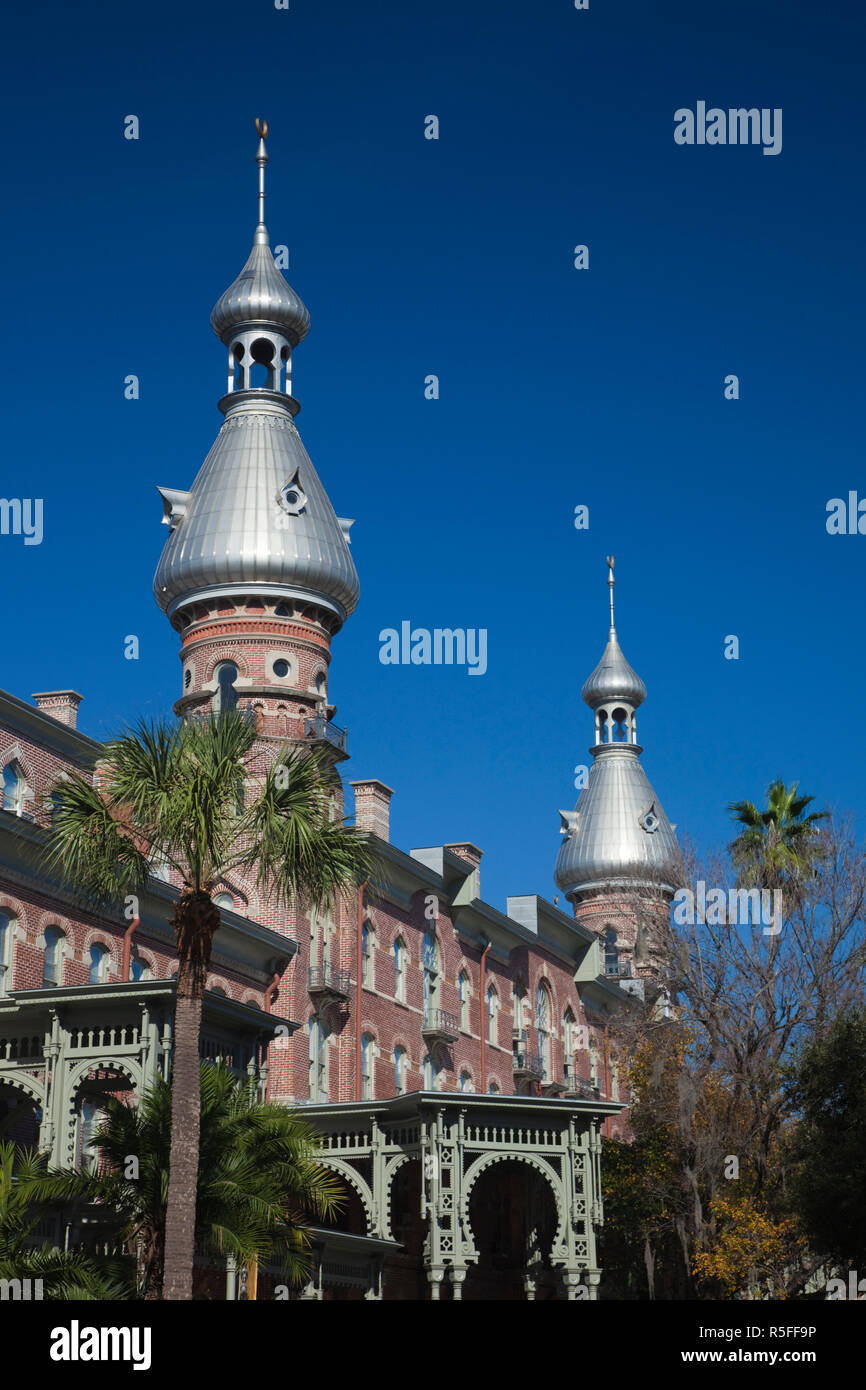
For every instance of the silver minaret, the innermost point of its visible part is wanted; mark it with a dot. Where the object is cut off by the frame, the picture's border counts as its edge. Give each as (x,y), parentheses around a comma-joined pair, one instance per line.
(617,836)
(257,518)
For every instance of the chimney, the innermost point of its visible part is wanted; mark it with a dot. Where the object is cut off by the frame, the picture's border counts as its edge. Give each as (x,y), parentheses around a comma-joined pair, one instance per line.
(62,705)
(372,807)
(472,855)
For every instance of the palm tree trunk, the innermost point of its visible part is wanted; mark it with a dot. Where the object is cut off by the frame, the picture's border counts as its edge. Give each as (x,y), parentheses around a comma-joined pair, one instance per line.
(195,921)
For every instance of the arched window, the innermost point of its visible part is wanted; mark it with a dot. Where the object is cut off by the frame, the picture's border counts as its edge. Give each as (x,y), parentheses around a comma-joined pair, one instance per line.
(139,968)
(431,1072)
(366,1067)
(224,900)
(593,1063)
(52,962)
(399,1070)
(98,964)
(13,788)
(7,936)
(430,966)
(542,1023)
(611,952)
(463,996)
(90,1117)
(226,696)
(568,1033)
(518,1008)
(614,1080)
(367,955)
(492,1014)
(400,969)
(318,1060)
(466,1083)
(493,1089)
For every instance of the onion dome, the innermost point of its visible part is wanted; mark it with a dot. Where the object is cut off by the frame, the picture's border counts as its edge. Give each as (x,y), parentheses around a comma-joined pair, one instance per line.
(257,519)
(260,297)
(618,834)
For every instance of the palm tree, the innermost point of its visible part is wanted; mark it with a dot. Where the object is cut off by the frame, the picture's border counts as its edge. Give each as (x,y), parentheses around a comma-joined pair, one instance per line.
(63,1274)
(778,846)
(198,798)
(259,1178)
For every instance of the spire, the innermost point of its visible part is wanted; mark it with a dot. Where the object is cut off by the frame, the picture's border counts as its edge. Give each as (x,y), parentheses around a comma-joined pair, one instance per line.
(260,318)
(614,683)
(610,584)
(261,160)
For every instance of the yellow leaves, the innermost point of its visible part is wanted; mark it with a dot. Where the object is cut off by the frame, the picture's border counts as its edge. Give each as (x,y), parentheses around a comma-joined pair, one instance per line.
(751,1251)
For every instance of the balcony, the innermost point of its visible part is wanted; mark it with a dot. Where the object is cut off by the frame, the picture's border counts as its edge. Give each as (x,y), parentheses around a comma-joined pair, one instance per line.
(322,730)
(578,1085)
(328,985)
(529,1066)
(618,969)
(439,1027)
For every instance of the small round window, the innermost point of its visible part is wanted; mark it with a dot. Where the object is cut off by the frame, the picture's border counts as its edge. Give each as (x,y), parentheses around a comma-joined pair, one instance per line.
(281,668)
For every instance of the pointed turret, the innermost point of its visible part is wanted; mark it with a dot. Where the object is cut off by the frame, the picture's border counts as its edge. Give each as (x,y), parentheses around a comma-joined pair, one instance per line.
(618,835)
(256,571)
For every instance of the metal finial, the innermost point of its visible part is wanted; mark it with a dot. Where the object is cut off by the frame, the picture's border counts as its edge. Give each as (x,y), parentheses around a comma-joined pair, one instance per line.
(261,160)
(610,583)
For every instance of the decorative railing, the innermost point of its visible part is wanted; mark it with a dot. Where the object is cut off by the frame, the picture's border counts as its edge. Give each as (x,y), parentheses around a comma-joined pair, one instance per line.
(440,1021)
(618,969)
(20,1049)
(321,728)
(530,1062)
(327,978)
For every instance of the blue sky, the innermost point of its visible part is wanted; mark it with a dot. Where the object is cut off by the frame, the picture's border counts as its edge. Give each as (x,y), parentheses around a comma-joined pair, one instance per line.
(558,387)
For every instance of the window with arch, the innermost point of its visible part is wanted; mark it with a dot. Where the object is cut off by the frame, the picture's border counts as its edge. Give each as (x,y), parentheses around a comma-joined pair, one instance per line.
(466,1083)
(614,1079)
(518,1007)
(492,1014)
(52,961)
(463,996)
(593,1063)
(7,936)
(400,969)
(430,967)
(320,683)
(493,1089)
(99,958)
(568,1022)
(14,785)
(399,1070)
(90,1116)
(542,1023)
(139,969)
(367,1048)
(367,955)
(431,1072)
(611,952)
(224,900)
(226,697)
(318,1059)
(321,933)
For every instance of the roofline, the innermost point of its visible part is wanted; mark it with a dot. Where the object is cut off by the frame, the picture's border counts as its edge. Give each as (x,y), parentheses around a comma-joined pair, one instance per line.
(44,730)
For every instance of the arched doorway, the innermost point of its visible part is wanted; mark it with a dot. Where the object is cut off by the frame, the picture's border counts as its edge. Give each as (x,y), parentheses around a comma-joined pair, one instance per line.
(20,1118)
(513,1218)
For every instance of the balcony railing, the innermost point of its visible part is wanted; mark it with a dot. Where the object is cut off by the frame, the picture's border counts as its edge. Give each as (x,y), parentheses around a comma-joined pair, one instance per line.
(441,1025)
(618,969)
(578,1085)
(529,1064)
(325,979)
(323,730)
